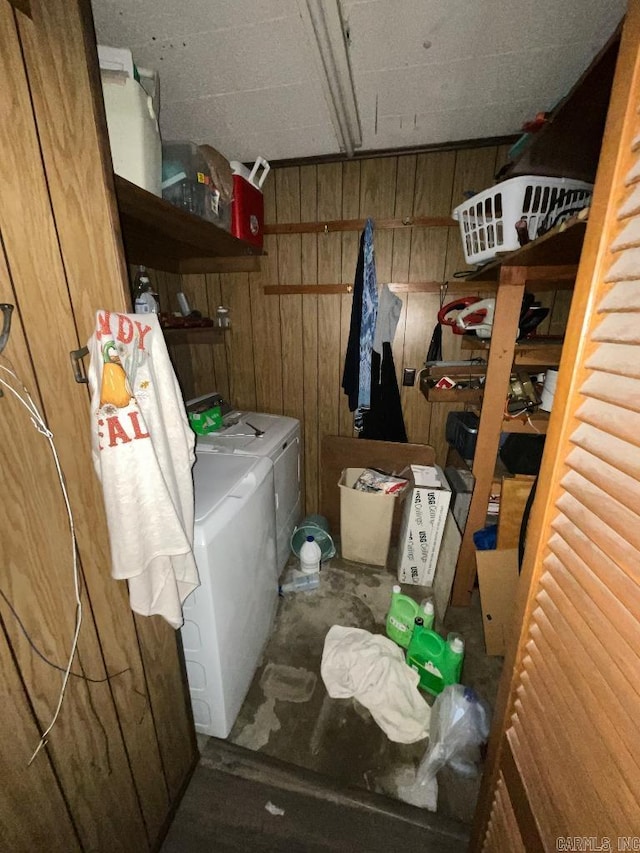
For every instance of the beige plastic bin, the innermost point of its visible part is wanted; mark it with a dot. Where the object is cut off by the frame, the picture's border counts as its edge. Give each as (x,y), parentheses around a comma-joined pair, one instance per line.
(365,521)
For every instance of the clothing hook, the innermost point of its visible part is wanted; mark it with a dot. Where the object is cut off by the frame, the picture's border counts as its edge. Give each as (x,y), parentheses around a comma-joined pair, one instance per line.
(326,228)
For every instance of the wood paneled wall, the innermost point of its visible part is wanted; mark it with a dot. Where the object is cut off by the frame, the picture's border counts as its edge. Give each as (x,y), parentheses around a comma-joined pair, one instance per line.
(123,745)
(285,353)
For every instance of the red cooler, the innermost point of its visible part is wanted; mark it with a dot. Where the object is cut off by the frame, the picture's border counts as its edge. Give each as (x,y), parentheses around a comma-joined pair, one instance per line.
(247,207)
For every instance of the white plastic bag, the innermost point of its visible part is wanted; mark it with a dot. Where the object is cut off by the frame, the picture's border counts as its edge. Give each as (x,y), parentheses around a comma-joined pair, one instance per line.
(459,725)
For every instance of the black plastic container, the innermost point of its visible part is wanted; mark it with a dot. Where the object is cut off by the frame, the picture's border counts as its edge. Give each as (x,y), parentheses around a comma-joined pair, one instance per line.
(462,432)
(522,454)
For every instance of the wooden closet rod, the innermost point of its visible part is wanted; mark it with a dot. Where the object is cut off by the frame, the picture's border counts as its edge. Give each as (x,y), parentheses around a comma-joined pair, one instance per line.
(332,226)
(397,287)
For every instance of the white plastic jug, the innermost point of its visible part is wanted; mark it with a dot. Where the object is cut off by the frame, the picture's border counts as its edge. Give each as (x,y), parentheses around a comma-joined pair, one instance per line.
(310,555)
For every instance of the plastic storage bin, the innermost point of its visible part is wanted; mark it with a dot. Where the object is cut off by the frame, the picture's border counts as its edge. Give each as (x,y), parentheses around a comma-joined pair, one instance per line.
(488,220)
(186,183)
(132,125)
(462,432)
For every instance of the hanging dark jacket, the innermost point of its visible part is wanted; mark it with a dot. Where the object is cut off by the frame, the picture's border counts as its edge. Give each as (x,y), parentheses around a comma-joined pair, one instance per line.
(384,420)
(351,373)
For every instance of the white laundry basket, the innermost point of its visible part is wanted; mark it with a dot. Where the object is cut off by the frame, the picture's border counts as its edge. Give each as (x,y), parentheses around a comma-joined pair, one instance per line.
(488,220)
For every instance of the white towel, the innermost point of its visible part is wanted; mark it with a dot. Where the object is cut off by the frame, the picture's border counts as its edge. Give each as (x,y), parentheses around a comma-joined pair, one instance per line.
(143,451)
(372,669)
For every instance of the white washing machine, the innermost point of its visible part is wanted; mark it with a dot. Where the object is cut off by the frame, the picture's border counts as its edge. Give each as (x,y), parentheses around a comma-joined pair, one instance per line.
(275,437)
(228,618)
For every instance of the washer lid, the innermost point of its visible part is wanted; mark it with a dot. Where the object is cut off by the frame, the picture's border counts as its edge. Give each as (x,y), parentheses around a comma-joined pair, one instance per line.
(236,436)
(216,475)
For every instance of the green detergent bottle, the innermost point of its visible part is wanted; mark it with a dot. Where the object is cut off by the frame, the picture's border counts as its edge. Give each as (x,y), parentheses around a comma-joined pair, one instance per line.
(403,611)
(438,662)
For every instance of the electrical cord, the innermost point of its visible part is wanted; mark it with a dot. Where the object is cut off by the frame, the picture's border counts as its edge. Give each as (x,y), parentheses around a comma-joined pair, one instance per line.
(44,658)
(522,539)
(40,424)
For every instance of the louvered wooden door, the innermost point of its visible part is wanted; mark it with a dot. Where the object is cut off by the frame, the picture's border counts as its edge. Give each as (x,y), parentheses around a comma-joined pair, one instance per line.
(564,765)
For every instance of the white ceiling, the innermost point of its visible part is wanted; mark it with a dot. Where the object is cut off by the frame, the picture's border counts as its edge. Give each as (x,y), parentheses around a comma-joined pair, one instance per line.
(244,77)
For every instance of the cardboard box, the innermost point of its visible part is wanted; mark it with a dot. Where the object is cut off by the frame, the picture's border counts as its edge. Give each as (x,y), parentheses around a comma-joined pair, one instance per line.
(461,482)
(446,565)
(498,578)
(423,521)
(365,521)
(205,420)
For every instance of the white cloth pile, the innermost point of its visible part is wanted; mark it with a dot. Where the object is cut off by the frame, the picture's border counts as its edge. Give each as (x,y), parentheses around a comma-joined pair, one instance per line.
(143,451)
(372,669)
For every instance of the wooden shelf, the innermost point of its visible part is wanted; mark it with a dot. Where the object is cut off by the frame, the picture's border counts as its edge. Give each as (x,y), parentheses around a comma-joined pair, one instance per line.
(452,395)
(460,373)
(532,352)
(548,263)
(538,425)
(552,260)
(162,236)
(195,335)
(568,146)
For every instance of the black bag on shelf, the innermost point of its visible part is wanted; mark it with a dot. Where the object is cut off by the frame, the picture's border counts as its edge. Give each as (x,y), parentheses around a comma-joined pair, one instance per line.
(522,454)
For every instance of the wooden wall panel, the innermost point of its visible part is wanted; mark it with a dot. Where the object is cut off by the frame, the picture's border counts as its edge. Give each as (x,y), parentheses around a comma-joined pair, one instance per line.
(350,243)
(93,762)
(220,360)
(190,363)
(105,750)
(427,258)
(265,311)
(299,341)
(287,183)
(401,255)
(200,357)
(23,828)
(330,360)
(310,364)
(329,308)
(235,294)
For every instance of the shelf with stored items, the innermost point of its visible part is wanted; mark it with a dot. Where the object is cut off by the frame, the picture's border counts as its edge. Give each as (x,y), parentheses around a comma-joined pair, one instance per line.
(194,335)
(550,261)
(535,351)
(470,376)
(535,423)
(568,143)
(164,237)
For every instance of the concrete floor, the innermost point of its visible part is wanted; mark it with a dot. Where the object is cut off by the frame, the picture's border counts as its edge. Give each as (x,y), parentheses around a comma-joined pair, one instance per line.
(287,713)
